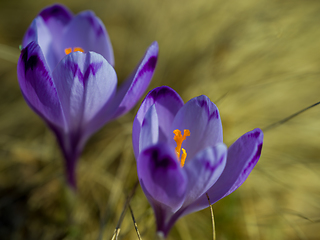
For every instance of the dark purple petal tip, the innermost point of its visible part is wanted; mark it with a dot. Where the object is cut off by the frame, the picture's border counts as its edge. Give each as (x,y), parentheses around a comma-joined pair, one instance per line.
(149,66)
(137,83)
(161,92)
(205,102)
(93,20)
(58,12)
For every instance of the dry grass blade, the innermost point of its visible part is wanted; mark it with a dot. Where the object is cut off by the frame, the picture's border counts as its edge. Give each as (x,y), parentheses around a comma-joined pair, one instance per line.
(212,218)
(117,229)
(116,234)
(9,54)
(135,223)
(273,125)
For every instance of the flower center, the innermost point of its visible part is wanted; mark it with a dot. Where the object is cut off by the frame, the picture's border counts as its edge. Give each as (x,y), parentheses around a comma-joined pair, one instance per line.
(179,138)
(75,49)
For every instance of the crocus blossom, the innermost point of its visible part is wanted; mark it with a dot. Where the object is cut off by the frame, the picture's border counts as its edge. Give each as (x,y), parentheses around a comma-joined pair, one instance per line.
(181,156)
(66,75)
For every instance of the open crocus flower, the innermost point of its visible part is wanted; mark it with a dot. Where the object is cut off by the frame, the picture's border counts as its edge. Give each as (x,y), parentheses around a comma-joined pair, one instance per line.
(181,156)
(66,76)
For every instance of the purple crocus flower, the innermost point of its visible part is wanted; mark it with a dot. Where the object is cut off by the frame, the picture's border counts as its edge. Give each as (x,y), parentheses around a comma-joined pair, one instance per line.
(181,156)
(66,75)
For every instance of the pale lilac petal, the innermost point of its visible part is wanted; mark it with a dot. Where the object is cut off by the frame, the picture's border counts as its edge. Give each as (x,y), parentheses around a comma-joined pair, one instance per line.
(87,32)
(47,26)
(39,33)
(167,103)
(162,212)
(37,85)
(85,83)
(55,18)
(161,175)
(202,118)
(204,170)
(242,157)
(134,87)
(149,134)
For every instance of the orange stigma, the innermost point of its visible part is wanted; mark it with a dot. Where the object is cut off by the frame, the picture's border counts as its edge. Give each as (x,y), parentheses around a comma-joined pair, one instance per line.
(75,49)
(179,138)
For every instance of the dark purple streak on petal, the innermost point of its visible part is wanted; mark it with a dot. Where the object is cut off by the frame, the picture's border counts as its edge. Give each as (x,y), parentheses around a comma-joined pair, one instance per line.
(243,155)
(148,67)
(37,85)
(93,68)
(162,176)
(131,91)
(94,24)
(58,12)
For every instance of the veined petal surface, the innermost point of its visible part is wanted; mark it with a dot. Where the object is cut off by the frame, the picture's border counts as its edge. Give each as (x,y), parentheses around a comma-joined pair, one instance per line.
(161,175)
(55,18)
(149,134)
(201,117)
(131,91)
(37,85)
(85,83)
(87,31)
(167,103)
(204,170)
(39,32)
(242,157)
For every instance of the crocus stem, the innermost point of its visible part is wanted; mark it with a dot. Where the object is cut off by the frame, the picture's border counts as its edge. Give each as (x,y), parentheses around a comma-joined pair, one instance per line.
(71,161)
(70,173)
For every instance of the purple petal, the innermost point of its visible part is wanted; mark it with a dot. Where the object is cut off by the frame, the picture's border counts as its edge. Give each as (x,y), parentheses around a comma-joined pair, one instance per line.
(87,32)
(162,177)
(242,157)
(47,30)
(31,34)
(56,16)
(39,33)
(85,83)
(37,85)
(202,118)
(150,129)
(167,103)
(204,170)
(131,91)
(55,19)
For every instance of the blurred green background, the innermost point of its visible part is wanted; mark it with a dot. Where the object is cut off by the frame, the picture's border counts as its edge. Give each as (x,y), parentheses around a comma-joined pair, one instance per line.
(258,60)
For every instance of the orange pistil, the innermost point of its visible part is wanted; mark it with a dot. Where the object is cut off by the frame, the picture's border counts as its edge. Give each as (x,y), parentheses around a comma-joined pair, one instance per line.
(179,138)
(75,49)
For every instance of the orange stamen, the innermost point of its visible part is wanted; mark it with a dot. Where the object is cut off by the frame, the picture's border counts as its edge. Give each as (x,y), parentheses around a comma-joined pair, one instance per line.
(78,49)
(68,51)
(75,49)
(179,138)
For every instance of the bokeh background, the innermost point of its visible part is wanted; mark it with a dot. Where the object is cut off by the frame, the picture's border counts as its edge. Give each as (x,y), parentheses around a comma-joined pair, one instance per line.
(258,61)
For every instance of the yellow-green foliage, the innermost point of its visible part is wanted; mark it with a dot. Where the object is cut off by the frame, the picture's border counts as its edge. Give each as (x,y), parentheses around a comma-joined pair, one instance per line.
(258,60)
